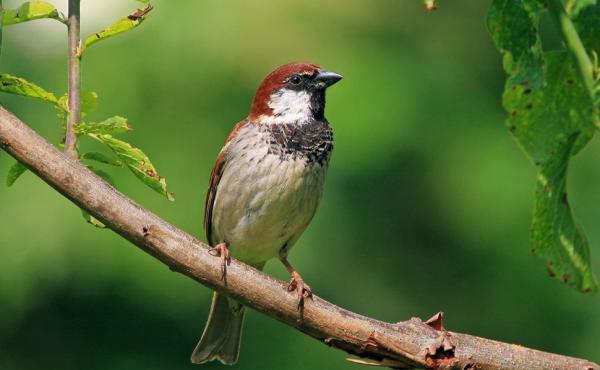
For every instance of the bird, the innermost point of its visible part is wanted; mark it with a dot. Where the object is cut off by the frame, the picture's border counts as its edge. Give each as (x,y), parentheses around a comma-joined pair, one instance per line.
(264,190)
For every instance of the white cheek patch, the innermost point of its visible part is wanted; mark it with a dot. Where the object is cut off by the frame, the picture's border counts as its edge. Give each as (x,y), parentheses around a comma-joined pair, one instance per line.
(289,106)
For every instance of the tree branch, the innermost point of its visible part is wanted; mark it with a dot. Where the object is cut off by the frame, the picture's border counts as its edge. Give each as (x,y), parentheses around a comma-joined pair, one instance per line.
(407,344)
(74,79)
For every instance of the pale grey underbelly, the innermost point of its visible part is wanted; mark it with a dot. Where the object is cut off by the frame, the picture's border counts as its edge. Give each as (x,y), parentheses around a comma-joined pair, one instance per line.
(264,202)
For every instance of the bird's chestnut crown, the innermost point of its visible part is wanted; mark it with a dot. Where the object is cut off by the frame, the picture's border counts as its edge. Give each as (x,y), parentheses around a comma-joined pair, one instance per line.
(293,90)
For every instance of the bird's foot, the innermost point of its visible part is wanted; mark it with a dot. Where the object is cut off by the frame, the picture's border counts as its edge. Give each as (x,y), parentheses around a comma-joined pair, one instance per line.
(222,251)
(302,289)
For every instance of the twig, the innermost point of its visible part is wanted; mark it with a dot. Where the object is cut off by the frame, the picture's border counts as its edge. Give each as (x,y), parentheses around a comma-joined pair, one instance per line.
(406,344)
(74,79)
(574,44)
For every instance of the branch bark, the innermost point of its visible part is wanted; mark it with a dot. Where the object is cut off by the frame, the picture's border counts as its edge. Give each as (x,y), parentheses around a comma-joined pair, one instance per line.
(74,78)
(407,344)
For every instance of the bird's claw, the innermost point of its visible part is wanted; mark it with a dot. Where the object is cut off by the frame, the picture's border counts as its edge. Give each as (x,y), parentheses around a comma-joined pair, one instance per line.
(302,289)
(222,251)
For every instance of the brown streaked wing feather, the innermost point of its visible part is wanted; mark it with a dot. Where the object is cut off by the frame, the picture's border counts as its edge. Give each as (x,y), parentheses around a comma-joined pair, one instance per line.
(215,178)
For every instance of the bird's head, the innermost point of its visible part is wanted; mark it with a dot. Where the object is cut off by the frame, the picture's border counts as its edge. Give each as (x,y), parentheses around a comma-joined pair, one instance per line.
(292,93)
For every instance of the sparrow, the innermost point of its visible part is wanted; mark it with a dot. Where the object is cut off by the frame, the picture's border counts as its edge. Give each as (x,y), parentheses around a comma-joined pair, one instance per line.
(264,190)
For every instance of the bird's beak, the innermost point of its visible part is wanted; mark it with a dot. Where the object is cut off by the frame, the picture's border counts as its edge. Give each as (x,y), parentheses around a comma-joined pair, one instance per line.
(327,78)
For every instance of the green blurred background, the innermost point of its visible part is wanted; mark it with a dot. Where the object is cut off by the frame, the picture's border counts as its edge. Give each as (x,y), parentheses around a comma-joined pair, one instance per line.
(426,207)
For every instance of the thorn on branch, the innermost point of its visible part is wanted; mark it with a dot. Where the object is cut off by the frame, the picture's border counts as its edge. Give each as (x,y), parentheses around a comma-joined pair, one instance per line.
(140,13)
(436,321)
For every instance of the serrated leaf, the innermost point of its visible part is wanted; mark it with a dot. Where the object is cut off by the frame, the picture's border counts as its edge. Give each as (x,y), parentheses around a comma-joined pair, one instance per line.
(122,25)
(540,120)
(20,86)
(30,11)
(513,26)
(62,109)
(101,158)
(551,125)
(89,101)
(552,117)
(15,171)
(554,233)
(111,126)
(138,162)
(106,177)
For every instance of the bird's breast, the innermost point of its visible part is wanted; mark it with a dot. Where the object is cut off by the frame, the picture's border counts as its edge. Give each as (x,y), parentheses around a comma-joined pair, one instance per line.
(269,191)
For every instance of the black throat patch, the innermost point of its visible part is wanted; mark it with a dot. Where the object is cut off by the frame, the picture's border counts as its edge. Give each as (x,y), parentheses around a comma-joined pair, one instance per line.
(312,141)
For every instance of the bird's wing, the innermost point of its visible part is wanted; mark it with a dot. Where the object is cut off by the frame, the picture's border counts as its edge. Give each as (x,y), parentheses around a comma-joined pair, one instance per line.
(215,177)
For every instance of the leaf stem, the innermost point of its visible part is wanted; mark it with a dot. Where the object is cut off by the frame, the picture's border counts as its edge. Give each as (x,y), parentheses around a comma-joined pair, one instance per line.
(574,44)
(74,78)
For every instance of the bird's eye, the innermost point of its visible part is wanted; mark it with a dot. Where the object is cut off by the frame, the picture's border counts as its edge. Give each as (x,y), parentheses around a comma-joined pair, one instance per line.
(295,80)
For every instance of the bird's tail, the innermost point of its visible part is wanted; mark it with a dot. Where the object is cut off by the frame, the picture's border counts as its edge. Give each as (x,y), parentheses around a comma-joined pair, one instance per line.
(222,333)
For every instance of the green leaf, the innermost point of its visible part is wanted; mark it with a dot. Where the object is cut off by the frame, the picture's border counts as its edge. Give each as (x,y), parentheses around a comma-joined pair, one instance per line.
(89,101)
(573,7)
(62,109)
(138,163)
(552,117)
(587,24)
(15,171)
(112,125)
(540,120)
(20,86)
(106,177)
(552,125)
(513,26)
(122,25)
(30,11)
(554,233)
(101,158)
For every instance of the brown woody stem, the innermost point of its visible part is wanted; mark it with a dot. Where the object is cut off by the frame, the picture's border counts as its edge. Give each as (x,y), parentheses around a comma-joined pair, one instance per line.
(74,78)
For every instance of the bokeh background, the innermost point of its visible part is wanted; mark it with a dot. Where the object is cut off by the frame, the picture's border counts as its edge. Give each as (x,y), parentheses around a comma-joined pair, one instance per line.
(426,208)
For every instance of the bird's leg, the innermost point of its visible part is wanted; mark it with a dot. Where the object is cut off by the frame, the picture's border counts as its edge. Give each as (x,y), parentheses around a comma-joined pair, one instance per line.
(296,283)
(221,250)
